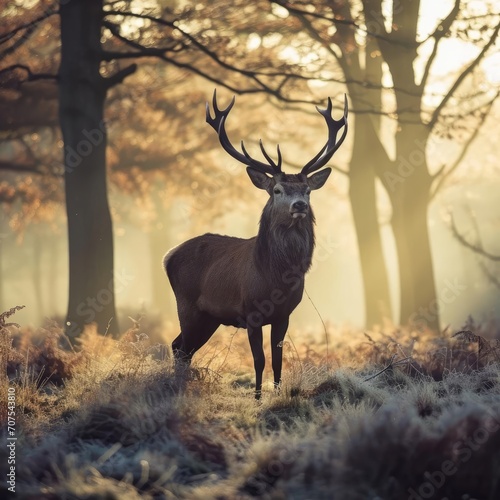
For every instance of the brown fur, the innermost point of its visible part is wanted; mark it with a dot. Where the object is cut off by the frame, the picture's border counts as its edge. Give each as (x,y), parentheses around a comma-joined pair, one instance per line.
(247,283)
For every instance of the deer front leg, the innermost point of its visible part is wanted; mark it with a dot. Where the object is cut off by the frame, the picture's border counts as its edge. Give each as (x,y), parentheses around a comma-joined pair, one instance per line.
(278,331)
(259,361)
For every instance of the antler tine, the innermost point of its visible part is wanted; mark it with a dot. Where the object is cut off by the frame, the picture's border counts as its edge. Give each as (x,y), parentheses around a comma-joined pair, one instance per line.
(280,158)
(277,166)
(214,103)
(220,115)
(218,124)
(328,150)
(257,165)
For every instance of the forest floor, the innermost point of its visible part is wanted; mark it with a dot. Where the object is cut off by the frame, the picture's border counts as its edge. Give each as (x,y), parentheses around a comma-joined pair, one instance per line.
(388,414)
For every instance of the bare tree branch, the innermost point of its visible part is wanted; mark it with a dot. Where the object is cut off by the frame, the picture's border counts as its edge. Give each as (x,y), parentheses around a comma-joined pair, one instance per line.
(491,277)
(20,167)
(462,76)
(119,76)
(5,37)
(475,247)
(31,76)
(19,42)
(443,176)
(440,32)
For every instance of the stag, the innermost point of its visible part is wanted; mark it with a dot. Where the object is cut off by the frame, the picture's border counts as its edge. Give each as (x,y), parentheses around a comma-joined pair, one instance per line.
(249,283)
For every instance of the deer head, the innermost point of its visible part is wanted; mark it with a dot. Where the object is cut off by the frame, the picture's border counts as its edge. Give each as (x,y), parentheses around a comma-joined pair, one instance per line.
(289,193)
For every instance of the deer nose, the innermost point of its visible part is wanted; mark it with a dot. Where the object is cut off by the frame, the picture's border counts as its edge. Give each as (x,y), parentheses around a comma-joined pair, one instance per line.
(299,206)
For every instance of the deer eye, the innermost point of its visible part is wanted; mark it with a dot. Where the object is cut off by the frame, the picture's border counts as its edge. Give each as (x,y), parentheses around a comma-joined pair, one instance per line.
(308,190)
(277,190)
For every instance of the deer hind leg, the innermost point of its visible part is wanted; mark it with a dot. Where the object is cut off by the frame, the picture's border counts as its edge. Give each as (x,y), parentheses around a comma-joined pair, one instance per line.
(196,329)
(278,331)
(259,360)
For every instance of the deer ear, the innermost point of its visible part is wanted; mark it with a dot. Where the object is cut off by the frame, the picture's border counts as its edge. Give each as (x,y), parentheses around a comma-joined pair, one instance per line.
(259,179)
(318,179)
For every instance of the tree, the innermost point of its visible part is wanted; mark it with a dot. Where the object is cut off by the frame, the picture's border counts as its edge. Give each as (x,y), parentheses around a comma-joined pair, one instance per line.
(411,195)
(407,179)
(362,70)
(82,95)
(83,92)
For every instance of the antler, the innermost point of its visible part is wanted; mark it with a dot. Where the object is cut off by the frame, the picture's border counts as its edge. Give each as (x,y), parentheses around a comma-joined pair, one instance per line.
(218,124)
(325,154)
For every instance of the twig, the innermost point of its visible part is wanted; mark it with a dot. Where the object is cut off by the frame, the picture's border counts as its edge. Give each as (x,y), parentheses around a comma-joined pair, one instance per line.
(324,327)
(391,364)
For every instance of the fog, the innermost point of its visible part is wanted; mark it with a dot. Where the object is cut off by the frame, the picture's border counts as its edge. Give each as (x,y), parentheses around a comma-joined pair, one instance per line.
(406,226)
(35,267)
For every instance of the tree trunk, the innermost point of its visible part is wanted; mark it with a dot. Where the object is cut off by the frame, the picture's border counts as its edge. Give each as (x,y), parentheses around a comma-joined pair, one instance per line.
(364,209)
(362,194)
(81,102)
(3,227)
(419,306)
(409,192)
(408,180)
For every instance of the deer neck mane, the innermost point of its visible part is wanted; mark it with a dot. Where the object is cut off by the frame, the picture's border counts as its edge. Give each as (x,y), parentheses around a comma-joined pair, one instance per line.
(284,249)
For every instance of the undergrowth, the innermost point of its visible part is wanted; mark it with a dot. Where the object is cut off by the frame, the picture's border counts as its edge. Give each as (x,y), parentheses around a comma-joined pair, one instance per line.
(387,414)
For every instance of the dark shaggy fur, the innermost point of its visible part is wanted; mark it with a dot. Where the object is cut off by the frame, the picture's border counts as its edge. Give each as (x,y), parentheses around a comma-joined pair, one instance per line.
(247,283)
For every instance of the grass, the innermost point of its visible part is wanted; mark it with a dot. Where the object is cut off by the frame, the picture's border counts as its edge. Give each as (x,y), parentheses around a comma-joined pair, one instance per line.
(390,414)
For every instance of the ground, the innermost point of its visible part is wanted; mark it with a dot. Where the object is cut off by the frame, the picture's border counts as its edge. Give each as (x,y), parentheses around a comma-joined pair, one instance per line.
(388,414)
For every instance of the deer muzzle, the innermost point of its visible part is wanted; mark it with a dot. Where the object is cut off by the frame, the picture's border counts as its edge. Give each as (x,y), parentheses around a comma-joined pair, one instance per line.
(299,209)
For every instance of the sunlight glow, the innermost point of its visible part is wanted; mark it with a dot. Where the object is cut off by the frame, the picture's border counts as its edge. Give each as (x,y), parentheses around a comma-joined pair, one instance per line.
(254,41)
(279,11)
(491,68)
(291,54)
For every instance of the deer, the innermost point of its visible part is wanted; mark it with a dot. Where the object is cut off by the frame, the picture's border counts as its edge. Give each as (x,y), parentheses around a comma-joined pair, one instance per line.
(250,283)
